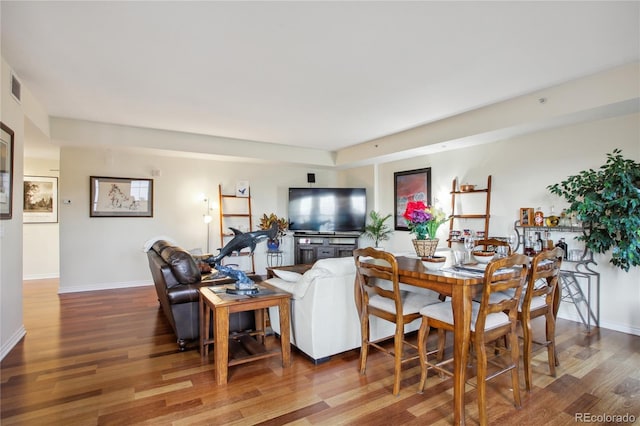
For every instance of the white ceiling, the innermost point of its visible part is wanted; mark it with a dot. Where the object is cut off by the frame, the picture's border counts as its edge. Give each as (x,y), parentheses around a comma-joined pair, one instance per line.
(314,74)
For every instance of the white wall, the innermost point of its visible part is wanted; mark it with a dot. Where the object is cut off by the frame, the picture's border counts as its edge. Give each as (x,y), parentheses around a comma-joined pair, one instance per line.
(98,253)
(521,169)
(105,252)
(41,245)
(15,114)
(11,323)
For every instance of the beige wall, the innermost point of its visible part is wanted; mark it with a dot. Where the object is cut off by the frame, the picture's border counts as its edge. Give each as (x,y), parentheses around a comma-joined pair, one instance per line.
(41,245)
(107,252)
(521,169)
(100,253)
(11,325)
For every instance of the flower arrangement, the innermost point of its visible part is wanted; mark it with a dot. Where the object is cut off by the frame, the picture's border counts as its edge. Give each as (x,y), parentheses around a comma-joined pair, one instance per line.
(423,220)
(266,221)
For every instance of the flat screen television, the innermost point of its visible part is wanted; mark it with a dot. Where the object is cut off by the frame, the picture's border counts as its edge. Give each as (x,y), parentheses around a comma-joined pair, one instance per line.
(327,210)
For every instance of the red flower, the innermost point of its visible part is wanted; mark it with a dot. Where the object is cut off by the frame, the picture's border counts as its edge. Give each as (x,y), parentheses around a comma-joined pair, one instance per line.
(411,207)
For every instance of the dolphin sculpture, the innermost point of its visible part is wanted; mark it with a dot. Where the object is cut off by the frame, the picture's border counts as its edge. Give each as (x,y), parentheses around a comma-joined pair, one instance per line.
(242,240)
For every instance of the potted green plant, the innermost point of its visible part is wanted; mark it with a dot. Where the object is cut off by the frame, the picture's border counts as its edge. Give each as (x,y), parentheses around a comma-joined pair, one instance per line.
(266,221)
(607,201)
(377,229)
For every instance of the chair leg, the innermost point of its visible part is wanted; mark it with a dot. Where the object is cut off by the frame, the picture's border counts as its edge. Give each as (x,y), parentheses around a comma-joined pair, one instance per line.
(397,357)
(442,338)
(526,349)
(422,349)
(481,357)
(364,347)
(515,359)
(550,327)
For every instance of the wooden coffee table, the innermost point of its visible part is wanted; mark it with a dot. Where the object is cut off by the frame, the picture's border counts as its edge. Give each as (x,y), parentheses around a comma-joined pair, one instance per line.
(245,347)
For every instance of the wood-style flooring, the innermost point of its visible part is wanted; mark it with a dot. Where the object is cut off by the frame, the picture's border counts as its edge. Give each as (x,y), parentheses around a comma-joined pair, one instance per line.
(109,358)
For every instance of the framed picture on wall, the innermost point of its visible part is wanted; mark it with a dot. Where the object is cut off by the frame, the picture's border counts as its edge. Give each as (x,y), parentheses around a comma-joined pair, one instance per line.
(242,189)
(6,171)
(40,199)
(412,185)
(526,216)
(120,197)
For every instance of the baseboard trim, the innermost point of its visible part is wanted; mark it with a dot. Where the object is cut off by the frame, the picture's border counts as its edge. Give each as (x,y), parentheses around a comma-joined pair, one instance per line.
(103,286)
(623,328)
(40,277)
(12,342)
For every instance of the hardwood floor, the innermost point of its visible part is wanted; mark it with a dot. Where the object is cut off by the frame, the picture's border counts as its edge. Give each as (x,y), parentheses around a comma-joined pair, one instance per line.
(109,358)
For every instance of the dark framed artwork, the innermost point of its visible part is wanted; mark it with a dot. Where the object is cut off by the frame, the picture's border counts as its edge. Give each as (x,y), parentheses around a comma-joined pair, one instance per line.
(40,199)
(120,197)
(6,171)
(411,185)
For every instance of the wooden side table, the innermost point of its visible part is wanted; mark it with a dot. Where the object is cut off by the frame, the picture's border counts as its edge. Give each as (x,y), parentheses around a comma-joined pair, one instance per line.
(217,304)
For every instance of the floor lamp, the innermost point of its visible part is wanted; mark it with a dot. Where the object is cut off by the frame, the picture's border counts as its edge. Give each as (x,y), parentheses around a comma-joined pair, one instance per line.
(207,220)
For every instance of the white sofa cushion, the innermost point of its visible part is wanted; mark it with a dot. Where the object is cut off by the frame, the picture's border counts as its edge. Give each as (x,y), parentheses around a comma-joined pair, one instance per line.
(287,275)
(299,287)
(337,265)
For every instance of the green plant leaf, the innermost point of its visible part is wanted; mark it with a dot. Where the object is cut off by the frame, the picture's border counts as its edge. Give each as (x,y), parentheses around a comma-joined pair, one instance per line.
(607,201)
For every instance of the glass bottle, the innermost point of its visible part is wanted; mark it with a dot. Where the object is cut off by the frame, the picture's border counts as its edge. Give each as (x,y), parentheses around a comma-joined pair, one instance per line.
(564,218)
(564,247)
(528,246)
(538,245)
(538,217)
(548,240)
(552,219)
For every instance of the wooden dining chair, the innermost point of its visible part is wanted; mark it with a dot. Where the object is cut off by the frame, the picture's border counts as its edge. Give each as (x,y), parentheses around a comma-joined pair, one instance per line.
(492,318)
(492,243)
(388,302)
(539,300)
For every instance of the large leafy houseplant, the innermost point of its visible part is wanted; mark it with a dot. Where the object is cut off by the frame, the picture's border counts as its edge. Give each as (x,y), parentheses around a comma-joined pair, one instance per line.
(607,201)
(377,229)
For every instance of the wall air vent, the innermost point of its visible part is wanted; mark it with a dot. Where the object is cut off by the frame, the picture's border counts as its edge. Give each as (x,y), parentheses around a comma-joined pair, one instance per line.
(16,87)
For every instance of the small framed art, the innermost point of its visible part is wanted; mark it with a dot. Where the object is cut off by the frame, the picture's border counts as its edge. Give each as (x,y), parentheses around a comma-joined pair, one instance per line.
(40,199)
(526,216)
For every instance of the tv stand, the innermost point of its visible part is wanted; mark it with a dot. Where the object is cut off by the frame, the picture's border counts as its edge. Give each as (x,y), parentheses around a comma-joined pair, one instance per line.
(311,246)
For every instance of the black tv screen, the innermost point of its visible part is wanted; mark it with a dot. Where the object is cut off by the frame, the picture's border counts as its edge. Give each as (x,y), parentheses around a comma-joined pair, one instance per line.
(327,209)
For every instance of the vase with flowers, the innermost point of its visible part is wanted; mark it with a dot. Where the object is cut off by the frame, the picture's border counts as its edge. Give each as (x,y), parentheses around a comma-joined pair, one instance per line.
(423,221)
(266,221)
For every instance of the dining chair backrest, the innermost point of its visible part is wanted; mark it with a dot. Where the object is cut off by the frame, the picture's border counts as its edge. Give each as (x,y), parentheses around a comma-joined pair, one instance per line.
(543,278)
(373,265)
(492,243)
(503,276)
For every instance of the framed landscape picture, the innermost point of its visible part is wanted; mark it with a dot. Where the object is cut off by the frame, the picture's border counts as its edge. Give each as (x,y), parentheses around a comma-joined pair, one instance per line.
(412,185)
(40,199)
(121,197)
(6,171)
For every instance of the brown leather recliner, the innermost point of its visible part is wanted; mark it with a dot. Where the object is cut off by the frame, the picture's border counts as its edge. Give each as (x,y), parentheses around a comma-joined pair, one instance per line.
(177,279)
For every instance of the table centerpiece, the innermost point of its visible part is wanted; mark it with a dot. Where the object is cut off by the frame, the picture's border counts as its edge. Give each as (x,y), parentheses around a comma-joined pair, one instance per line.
(423,221)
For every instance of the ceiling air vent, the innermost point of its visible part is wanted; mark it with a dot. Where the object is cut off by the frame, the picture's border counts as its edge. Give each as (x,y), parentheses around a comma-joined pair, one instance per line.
(15,87)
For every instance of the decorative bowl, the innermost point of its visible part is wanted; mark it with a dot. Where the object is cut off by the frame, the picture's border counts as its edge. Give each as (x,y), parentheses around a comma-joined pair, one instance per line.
(467,187)
(434,263)
(484,256)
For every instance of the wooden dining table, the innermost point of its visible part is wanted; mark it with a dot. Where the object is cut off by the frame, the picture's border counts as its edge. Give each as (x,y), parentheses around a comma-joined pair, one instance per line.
(461,288)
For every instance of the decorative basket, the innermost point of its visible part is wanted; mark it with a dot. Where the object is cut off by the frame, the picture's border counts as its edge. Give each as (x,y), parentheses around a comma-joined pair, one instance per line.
(425,248)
